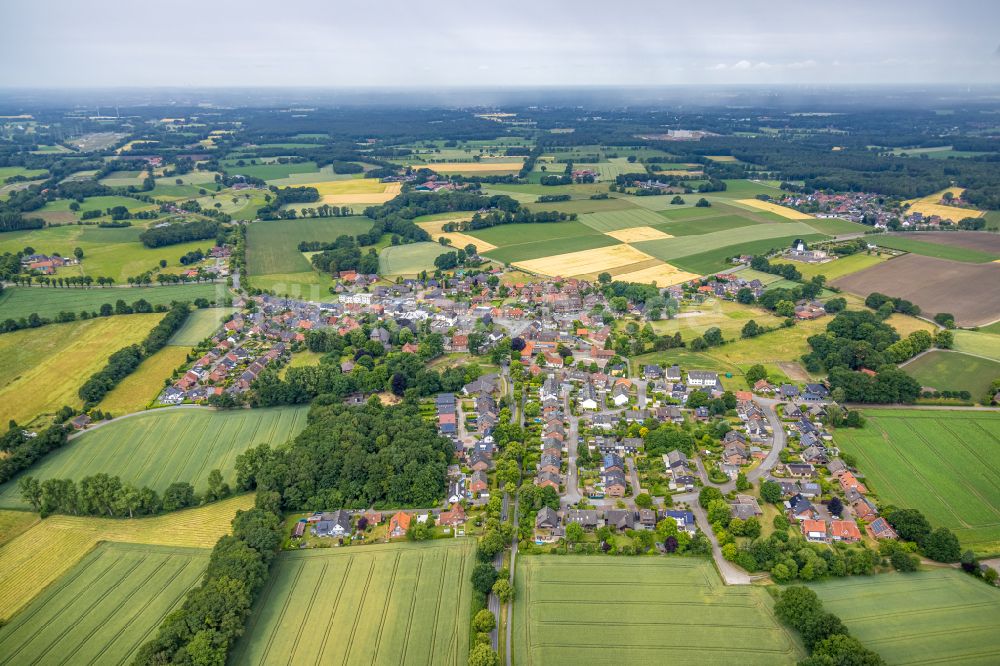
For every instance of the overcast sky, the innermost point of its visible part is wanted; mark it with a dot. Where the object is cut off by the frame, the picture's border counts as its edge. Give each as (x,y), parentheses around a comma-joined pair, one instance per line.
(329,43)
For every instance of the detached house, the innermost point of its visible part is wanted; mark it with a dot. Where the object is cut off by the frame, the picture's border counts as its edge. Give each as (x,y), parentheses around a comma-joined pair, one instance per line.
(399,524)
(815,531)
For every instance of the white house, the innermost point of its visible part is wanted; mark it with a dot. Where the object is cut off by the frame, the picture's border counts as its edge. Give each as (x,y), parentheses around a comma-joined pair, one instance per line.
(359,298)
(702,378)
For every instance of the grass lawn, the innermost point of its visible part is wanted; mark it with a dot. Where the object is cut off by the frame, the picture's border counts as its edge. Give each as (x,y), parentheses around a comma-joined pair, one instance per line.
(105,607)
(45,367)
(272,246)
(834,227)
(954,371)
(838,267)
(936,616)
(945,463)
(728,316)
(978,342)
(13,523)
(137,390)
(18,302)
(11,171)
(589,610)
(398,603)
(409,259)
(39,556)
(939,250)
(162,446)
(200,324)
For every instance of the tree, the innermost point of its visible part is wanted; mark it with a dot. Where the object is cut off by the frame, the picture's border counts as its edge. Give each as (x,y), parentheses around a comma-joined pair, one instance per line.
(484,621)
(78,253)
(941,545)
(503,589)
(770,491)
(821,626)
(742,483)
(718,511)
(604,278)
(483,577)
(707,495)
(903,561)
(835,506)
(755,373)
(969,562)
(842,650)
(574,533)
(745,296)
(713,337)
(909,524)
(482,655)
(677,201)
(703,203)
(643,500)
(31,491)
(179,495)
(795,604)
(750,330)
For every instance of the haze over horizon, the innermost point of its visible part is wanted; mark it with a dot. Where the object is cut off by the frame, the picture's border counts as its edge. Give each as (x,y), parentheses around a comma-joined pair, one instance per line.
(459,44)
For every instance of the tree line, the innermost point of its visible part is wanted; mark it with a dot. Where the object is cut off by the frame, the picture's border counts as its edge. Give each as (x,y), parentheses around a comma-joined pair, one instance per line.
(184,232)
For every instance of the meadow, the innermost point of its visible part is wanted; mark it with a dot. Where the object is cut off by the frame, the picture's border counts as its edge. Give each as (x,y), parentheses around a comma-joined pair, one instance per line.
(701,225)
(587,610)
(13,523)
(935,616)
(44,368)
(979,342)
(405,603)
(937,250)
(944,463)
(954,371)
(163,446)
(409,259)
(272,171)
(272,246)
(200,324)
(37,557)
(12,171)
(104,608)
(837,268)
(714,260)
(140,388)
(728,316)
(18,302)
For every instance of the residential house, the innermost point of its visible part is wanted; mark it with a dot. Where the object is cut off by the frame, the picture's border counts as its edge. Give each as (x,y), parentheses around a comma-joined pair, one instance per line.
(336,524)
(745,507)
(704,378)
(479,461)
(864,508)
(847,481)
(620,520)
(588,519)
(647,519)
(815,531)
(547,526)
(802,471)
(548,479)
(453,517)
(613,462)
(685,520)
(614,484)
(399,524)
(881,529)
(478,483)
(845,530)
(799,508)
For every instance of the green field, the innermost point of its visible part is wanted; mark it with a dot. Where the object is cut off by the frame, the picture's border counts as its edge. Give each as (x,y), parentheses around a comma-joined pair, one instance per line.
(671,248)
(17,302)
(714,260)
(621,219)
(938,616)
(12,171)
(272,246)
(96,203)
(268,171)
(115,253)
(833,226)
(199,325)
(105,607)
(837,268)
(978,342)
(937,152)
(953,371)
(590,610)
(409,259)
(939,250)
(160,447)
(702,225)
(406,603)
(580,206)
(944,463)
(546,248)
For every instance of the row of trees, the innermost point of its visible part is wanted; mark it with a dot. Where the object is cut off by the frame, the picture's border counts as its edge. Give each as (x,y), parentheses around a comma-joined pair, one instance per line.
(184,232)
(105,495)
(21,451)
(823,633)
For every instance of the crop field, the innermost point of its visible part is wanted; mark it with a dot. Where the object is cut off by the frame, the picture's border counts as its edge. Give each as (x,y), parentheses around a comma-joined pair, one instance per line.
(587,610)
(104,608)
(945,463)
(614,167)
(954,371)
(115,253)
(914,243)
(123,178)
(586,261)
(927,617)
(702,225)
(711,261)
(268,171)
(139,389)
(272,246)
(323,174)
(458,239)
(837,268)
(406,603)
(409,259)
(13,523)
(621,219)
(546,248)
(486,167)
(44,368)
(200,324)
(978,342)
(967,291)
(40,555)
(834,227)
(11,171)
(662,275)
(163,446)
(930,205)
(747,189)
(633,234)
(309,285)
(18,302)
(783,211)
(673,248)
(352,191)
(581,206)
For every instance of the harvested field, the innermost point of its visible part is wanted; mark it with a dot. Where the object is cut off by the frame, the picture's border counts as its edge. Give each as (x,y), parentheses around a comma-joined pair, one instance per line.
(587,261)
(37,557)
(931,205)
(943,462)
(926,617)
(399,603)
(633,234)
(663,275)
(13,523)
(355,190)
(162,446)
(105,608)
(457,238)
(139,389)
(968,291)
(783,211)
(591,610)
(483,167)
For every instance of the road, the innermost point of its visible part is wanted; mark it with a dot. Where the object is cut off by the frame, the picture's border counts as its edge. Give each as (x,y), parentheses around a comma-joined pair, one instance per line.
(493,602)
(101,424)
(572,485)
(513,560)
(633,476)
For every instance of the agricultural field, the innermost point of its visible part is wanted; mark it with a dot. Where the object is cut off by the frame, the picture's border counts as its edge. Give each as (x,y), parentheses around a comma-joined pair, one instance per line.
(837,268)
(272,171)
(13,523)
(272,246)
(12,171)
(836,227)
(409,259)
(944,463)
(105,607)
(954,371)
(587,610)
(351,191)
(586,261)
(18,302)
(580,206)
(978,342)
(163,446)
(711,261)
(622,219)
(485,167)
(980,241)
(200,324)
(937,152)
(938,247)
(123,179)
(674,248)
(728,316)
(115,253)
(44,367)
(405,603)
(930,205)
(139,389)
(701,225)
(39,556)
(936,285)
(767,206)
(937,616)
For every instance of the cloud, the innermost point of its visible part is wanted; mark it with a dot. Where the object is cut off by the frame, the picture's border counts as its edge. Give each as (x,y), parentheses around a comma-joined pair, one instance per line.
(742,64)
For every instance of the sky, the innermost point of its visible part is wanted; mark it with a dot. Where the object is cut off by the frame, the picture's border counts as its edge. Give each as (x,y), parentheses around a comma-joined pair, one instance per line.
(447,43)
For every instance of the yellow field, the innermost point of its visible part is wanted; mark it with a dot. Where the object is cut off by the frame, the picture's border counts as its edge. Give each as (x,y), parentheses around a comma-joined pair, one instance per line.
(138,389)
(496,167)
(13,523)
(356,190)
(721,158)
(905,324)
(783,211)
(586,261)
(929,205)
(635,234)
(663,275)
(45,367)
(678,172)
(457,238)
(39,556)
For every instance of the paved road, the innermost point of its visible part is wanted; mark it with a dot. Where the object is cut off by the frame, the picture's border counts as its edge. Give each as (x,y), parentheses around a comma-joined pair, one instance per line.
(513,561)
(640,392)
(493,602)
(633,476)
(572,484)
